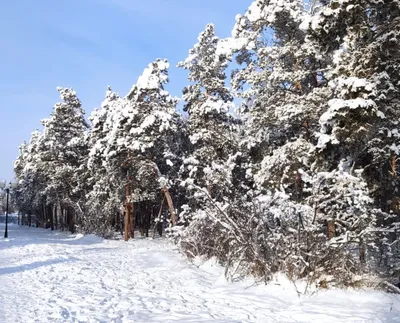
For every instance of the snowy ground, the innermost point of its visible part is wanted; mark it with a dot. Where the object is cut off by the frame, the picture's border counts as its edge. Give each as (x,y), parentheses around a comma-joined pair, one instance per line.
(54,277)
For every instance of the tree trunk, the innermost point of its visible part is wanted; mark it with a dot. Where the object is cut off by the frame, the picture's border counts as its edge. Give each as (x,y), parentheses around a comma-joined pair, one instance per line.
(44,215)
(170,205)
(121,219)
(158,224)
(147,219)
(50,216)
(70,220)
(331,229)
(132,219)
(362,252)
(55,217)
(61,220)
(129,224)
(67,217)
(128,209)
(126,233)
(209,189)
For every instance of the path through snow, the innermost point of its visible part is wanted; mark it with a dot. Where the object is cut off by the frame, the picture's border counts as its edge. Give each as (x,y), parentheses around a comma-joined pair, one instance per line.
(55,277)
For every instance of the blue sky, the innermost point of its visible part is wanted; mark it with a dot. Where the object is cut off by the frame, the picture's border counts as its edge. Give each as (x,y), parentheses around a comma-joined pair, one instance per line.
(87,45)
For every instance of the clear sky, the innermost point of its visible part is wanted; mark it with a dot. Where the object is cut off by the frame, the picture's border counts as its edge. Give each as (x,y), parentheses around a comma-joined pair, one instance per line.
(87,45)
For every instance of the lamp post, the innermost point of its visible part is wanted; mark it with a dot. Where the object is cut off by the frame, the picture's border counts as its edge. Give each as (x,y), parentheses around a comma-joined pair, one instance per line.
(7,189)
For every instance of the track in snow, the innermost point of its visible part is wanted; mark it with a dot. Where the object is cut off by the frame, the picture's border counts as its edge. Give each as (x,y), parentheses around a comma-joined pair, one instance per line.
(55,277)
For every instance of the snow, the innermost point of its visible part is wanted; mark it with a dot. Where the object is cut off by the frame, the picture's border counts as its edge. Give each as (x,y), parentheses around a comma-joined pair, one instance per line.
(394,148)
(256,11)
(56,277)
(148,121)
(305,23)
(323,140)
(150,80)
(227,46)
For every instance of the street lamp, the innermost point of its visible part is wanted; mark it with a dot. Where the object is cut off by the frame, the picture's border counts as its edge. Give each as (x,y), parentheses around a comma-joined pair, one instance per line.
(3,186)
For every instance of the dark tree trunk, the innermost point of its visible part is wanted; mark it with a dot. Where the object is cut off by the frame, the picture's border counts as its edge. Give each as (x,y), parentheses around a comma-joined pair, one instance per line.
(129,218)
(70,220)
(147,218)
(50,216)
(331,229)
(55,217)
(44,215)
(121,220)
(62,217)
(362,252)
(132,220)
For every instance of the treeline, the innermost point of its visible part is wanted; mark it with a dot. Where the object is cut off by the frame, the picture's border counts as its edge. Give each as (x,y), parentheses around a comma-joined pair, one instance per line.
(300,177)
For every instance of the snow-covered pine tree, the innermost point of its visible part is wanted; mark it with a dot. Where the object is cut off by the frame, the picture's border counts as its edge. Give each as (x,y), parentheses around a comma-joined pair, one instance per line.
(29,172)
(138,147)
(104,198)
(280,75)
(362,114)
(360,122)
(283,87)
(208,103)
(285,90)
(217,218)
(211,166)
(62,154)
